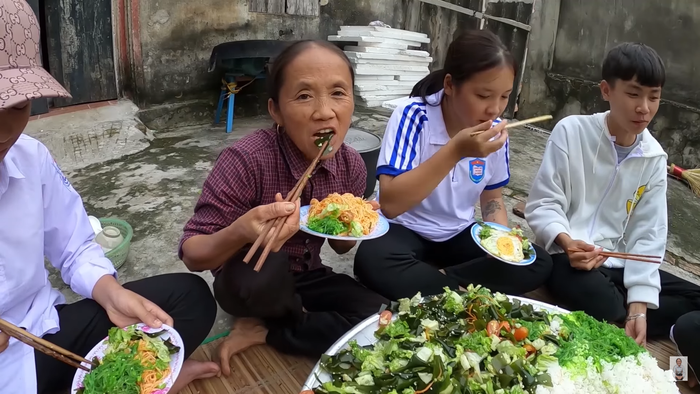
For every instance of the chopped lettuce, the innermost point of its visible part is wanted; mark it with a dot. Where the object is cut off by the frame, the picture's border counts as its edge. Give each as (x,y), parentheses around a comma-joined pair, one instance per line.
(464,342)
(328,222)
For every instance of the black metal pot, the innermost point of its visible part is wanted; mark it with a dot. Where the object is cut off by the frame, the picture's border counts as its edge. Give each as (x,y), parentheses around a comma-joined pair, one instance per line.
(368,146)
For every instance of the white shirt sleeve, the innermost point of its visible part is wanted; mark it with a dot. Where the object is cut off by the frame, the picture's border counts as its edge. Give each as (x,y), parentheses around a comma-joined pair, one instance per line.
(500,160)
(647,232)
(400,151)
(68,234)
(548,200)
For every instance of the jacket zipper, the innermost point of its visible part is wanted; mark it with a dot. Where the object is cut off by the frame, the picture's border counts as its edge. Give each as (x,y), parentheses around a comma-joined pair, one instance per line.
(607,190)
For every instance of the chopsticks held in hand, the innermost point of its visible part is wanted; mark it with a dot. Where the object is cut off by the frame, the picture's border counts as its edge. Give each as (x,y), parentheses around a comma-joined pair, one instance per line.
(627,256)
(518,123)
(44,346)
(293,195)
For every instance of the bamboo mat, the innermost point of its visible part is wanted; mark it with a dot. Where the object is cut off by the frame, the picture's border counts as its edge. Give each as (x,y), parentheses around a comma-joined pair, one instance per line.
(258,370)
(261,370)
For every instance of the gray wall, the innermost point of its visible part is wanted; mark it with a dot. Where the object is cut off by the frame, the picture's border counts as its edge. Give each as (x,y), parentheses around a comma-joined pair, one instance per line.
(177,38)
(443,25)
(570,40)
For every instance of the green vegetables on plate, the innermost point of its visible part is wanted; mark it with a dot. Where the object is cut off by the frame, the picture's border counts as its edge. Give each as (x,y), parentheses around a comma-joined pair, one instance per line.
(331,222)
(470,342)
(121,369)
(488,233)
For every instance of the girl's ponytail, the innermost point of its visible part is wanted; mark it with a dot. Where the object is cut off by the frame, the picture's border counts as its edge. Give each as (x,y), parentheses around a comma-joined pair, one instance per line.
(429,85)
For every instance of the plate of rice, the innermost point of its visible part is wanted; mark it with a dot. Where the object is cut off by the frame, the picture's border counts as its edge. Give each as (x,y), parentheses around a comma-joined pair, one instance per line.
(479,342)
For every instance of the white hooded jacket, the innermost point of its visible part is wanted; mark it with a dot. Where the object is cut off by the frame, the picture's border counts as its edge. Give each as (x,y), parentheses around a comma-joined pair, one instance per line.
(582,191)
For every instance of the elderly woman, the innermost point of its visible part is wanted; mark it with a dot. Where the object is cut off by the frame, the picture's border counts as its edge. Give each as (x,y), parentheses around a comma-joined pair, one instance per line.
(295,303)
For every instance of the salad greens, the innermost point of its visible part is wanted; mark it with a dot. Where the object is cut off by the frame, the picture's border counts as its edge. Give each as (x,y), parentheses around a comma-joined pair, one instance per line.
(322,138)
(334,221)
(470,342)
(121,369)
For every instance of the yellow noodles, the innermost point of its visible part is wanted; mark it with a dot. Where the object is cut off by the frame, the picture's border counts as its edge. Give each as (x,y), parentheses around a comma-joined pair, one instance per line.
(353,209)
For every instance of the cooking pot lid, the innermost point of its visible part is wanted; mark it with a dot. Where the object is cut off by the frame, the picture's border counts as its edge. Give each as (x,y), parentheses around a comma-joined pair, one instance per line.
(362,141)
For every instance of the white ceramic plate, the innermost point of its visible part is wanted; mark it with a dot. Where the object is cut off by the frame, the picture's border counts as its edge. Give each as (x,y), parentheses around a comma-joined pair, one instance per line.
(476,228)
(380,229)
(363,333)
(176,360)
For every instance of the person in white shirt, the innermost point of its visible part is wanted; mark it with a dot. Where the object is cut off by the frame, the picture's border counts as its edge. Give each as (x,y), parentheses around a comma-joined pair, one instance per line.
(432,173)
(42,215)
(602,186)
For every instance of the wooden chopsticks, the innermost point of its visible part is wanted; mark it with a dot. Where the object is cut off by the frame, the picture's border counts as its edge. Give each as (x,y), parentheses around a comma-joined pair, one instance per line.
(519,123)
(627,256)
(44,346)
(292,196)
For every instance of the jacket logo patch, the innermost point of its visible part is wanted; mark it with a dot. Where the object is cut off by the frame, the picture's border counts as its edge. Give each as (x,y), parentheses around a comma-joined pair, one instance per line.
(631,204)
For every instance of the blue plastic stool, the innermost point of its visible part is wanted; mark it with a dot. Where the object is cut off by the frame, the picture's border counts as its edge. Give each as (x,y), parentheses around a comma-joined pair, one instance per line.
(227,89)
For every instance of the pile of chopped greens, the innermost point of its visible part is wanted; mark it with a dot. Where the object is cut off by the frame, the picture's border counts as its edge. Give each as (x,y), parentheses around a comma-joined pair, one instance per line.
(120,371)
(487,231)
(471,342)
(334,221)
(591,338)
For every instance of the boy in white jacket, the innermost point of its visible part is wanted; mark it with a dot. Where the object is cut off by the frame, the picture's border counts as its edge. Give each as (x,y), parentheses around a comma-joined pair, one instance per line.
(602,186)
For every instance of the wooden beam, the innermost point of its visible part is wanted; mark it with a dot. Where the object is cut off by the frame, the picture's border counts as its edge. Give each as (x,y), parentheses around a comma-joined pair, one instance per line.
(267,6)
(303,7)
(477,14)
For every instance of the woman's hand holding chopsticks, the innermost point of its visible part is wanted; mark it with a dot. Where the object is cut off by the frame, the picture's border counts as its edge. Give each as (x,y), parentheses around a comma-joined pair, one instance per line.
(254,222)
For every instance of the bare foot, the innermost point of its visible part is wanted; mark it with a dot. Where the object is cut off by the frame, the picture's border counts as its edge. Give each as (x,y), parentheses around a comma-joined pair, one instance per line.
(193,370)
(692,380)
(245,333)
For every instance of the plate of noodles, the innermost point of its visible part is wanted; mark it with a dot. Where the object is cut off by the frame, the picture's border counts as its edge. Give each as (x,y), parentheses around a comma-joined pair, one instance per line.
(343,217)
(136,359)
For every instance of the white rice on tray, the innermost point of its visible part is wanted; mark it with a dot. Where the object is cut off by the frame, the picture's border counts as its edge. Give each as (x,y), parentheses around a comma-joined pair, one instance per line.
(631,375)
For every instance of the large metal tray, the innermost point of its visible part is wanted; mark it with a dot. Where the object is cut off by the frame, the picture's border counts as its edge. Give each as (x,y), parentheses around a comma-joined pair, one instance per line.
(363,333)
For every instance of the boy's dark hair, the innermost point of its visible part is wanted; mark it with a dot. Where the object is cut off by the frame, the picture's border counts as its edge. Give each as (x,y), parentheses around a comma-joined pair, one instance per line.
(470,53)
(629,60)
(275,79)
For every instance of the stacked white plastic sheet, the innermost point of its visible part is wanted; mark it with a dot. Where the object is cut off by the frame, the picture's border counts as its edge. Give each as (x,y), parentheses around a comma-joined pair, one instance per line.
(386,61)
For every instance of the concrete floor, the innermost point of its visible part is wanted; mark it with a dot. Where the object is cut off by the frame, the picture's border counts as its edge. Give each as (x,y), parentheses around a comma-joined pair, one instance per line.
(152,180)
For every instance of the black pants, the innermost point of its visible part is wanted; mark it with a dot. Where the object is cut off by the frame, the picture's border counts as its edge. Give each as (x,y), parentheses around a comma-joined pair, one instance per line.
(602,294)
(685,334)
(402,263)
(185,297)
(334,302)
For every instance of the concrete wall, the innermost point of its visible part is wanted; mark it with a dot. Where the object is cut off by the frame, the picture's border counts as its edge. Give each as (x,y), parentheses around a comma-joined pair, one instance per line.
(442,25)
(177,38)
(570,39)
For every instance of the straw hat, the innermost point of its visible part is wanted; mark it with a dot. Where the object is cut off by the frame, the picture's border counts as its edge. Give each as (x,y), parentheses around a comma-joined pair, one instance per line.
(22,77)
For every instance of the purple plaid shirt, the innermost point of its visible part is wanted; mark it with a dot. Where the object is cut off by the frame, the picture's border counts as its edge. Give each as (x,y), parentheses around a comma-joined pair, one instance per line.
(255,168)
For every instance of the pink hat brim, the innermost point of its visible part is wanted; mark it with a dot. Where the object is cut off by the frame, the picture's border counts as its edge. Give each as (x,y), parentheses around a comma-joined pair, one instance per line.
(18,85)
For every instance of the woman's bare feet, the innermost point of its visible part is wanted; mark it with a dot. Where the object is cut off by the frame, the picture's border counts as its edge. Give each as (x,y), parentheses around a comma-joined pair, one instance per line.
(245,333)
(194,370)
